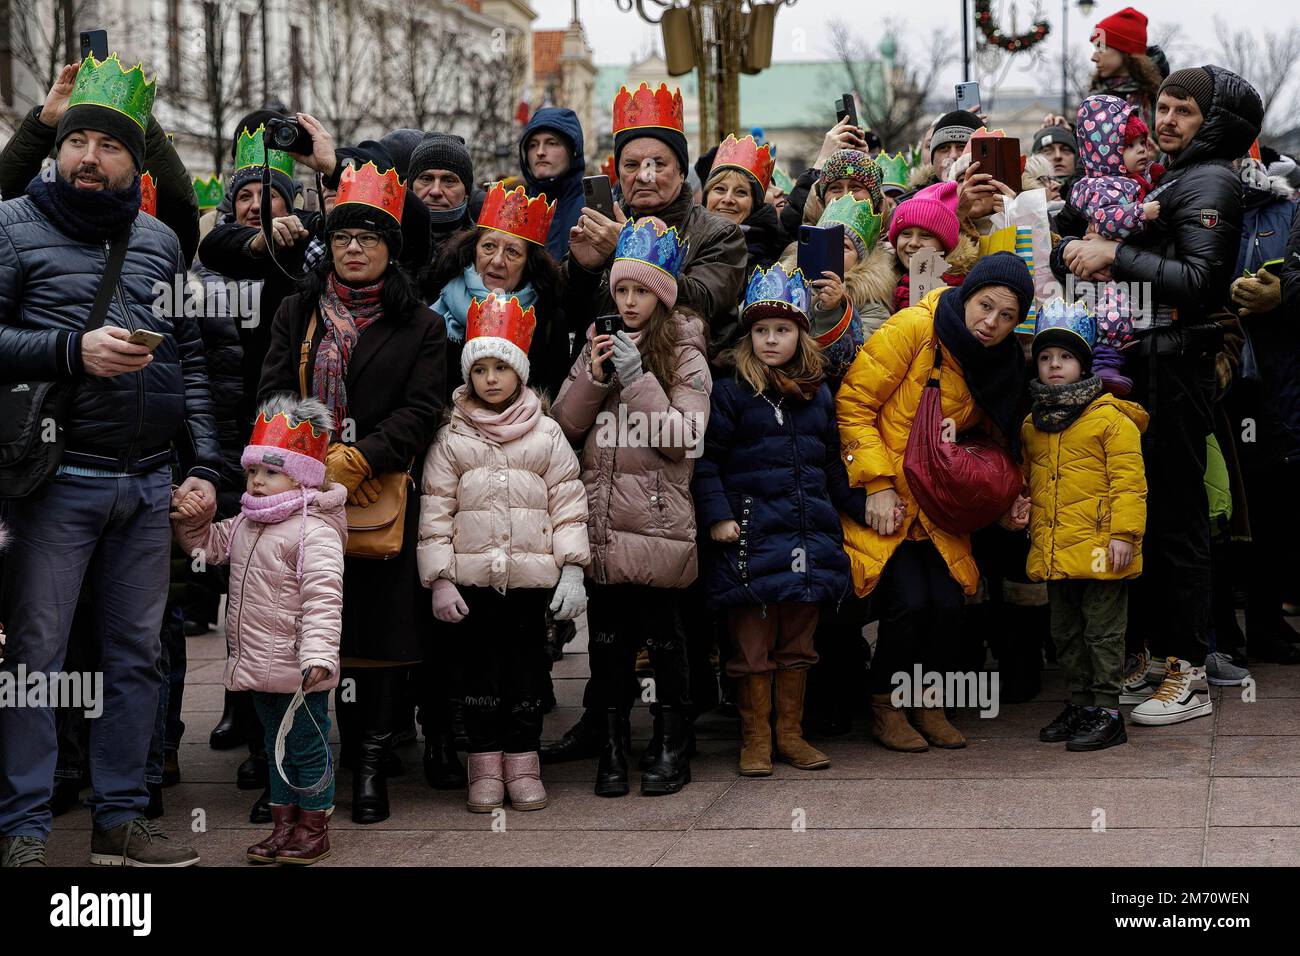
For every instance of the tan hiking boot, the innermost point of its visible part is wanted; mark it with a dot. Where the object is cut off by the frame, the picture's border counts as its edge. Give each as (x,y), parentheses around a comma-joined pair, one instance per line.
(755,725)
(890,727)
(790,745)
(933,724)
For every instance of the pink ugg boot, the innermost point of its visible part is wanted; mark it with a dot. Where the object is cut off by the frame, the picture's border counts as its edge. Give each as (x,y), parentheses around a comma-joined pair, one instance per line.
(524,781)
(486,786)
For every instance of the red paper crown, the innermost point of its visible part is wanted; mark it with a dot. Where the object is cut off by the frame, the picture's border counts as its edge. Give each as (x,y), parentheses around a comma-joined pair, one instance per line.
(607,167)
(648,108)
(501,319)
(148,194)
(513,212)
(276,433)
(370,187)
(746,154)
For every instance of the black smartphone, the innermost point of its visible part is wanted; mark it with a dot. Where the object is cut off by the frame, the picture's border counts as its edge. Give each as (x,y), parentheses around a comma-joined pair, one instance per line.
(597,195)
(94,43)
(610,324)
(821,249)
(846,110)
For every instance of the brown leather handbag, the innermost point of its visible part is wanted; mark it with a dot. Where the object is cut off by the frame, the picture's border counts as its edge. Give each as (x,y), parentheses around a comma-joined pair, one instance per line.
(374,530)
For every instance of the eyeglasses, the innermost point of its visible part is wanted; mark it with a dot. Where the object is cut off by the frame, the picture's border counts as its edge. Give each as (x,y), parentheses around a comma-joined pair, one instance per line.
(366,240)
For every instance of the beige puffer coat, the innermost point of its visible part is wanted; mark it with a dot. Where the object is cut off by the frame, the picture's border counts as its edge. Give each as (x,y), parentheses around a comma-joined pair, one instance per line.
(501,509)
(639,447)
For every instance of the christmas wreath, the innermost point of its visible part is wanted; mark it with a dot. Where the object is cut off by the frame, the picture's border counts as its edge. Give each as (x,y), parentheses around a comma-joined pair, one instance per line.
(995,37)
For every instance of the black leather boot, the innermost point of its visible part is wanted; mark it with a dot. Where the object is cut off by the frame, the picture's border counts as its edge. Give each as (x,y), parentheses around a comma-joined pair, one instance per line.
(261,811)
(672,770)
(611,772)
(580,742)
(650,756)
(228,734)
(253,773)
(378,699)
(442,767)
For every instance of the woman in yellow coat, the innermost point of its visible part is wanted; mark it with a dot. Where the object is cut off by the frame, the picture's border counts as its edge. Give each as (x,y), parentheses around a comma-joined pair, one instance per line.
(917,570)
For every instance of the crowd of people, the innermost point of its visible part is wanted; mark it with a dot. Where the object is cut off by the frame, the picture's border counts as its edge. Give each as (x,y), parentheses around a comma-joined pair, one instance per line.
(419,426)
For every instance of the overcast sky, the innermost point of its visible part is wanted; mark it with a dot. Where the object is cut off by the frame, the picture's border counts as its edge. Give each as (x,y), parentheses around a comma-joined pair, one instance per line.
(801,29)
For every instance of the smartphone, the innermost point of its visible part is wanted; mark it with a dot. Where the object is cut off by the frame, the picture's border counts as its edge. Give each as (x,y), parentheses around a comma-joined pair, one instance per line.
(846,110)
(610,324)
(151,340)
(597,195)
(998,155)
(968,97)
(94,43)
(1273,267)
(821,249)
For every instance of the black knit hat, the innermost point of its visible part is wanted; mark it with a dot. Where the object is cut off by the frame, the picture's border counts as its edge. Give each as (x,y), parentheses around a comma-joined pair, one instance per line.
(281,183)
(1005,269)
(103,120)
(1064,339)
(442,151)
(400,144)
(954,127)
(673,139)
(1048,135)
(1197,81)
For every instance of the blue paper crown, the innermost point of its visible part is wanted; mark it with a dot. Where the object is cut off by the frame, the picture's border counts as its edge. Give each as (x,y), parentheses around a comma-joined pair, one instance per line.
(1072,317)
(647,240)
(776,287)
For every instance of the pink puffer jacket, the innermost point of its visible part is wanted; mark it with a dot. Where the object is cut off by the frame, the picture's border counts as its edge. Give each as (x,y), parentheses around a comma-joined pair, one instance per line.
(277,626)
(639,446)
(502,505)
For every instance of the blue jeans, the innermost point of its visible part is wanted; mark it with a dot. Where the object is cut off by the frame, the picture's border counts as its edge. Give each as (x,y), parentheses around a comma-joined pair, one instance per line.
(168,727)
(115,533)
(305,753)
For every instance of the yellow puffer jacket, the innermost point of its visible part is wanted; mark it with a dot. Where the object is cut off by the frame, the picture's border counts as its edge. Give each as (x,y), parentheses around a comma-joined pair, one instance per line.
(875,407)
(1087,485)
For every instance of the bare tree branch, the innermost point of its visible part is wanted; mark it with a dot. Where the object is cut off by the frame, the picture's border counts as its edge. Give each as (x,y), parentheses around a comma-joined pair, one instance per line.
(1267,62)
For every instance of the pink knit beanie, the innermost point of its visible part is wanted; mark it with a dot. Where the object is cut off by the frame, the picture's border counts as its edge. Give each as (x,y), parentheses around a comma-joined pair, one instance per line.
(933,209)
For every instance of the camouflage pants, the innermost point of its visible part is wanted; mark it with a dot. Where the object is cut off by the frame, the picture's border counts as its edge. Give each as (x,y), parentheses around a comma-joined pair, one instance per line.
(1088,623)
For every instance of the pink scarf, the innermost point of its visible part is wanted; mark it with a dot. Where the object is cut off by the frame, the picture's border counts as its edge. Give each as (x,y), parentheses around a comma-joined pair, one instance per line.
(272,509)
(505,426)
(346,310)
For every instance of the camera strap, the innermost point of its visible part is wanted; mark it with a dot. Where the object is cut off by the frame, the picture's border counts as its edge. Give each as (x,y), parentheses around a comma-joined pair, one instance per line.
(265,208)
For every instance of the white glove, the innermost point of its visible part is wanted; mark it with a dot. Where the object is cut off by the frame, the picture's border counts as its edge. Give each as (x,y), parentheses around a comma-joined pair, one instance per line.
(570,598)
(448,606)
(626,359)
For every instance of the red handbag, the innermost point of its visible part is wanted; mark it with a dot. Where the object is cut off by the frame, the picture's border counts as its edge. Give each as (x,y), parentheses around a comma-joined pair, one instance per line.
(961,486)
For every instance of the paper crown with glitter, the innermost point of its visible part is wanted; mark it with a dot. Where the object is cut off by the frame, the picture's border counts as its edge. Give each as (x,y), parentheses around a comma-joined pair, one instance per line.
(648,240)
(250,150)
(367,186)
(894,170)
(858,217)
(647,107)
(148,194)
(514,213)
(296,450)
(782,180)
(499,328)
(745,154)
(1066,322)
(776,293)
(208,192)
(106,83)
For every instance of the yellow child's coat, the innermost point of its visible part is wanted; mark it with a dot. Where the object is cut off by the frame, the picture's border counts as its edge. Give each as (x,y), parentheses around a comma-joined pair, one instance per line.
(1087,485)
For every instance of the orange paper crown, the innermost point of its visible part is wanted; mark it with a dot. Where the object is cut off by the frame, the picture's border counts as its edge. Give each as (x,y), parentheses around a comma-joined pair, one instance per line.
(514,213)
(648,107)
(746,154)
(607,167)
(276,433)
(1254,152)
(501,319)
(148,194)
(370,187)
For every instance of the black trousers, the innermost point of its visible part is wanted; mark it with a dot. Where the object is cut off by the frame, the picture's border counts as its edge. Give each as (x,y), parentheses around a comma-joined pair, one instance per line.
(1169,604)
(1272,566)
(620,619)
(501,665)
(919,605)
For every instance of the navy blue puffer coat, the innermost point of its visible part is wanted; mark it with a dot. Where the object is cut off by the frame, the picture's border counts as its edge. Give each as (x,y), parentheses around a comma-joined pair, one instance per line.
(782,482)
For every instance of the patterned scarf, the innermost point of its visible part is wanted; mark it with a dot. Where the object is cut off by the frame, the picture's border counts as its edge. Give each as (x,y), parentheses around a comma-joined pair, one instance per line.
(1055,407)
(347,310)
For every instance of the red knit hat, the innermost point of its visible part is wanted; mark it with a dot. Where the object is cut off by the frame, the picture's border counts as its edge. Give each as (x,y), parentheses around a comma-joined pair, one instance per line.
(1134,129)
(933,209)
(1125,31)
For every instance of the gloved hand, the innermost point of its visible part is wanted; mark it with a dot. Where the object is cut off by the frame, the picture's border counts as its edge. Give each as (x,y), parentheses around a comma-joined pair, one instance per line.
(570,598)
(346,465)
(367,493)
(1258,294)
(626,359)
(448,605)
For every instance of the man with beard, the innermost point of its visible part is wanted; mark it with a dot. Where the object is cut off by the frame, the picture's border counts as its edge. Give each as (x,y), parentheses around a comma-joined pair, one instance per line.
(132,411)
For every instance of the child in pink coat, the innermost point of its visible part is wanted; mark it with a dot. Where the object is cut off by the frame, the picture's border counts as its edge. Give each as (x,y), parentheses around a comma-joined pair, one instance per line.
(284,610)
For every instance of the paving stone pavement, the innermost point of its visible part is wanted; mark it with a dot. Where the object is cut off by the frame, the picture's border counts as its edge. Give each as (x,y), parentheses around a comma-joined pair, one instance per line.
(1219,790)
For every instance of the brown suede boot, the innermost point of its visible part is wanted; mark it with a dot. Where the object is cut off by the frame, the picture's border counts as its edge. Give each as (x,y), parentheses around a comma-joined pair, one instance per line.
(933,724)
(890,727)
(755,725)
(310,841)
(790,745)
(285,819)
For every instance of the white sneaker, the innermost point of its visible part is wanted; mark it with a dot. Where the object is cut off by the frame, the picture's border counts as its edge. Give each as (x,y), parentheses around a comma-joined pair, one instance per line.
(1175,700)
(1220,670)
(1140,680)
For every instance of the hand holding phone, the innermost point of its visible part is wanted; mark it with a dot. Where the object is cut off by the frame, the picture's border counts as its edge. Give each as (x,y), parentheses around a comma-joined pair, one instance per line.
(968,97)
(597,195)
(602,345)
(150,340)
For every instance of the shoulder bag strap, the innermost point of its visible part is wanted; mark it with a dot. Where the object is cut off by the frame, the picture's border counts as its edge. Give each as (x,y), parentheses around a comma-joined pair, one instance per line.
(304,355)
(108,281)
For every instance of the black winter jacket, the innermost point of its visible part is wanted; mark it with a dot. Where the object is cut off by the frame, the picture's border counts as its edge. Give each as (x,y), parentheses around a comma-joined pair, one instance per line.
(1188,254)
(48,282)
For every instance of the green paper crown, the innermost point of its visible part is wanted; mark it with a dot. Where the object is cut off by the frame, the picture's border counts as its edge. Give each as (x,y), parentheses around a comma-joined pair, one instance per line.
(782,180)
(209,192)
(895,169)
(857,216)
(104,83)
(250,150)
